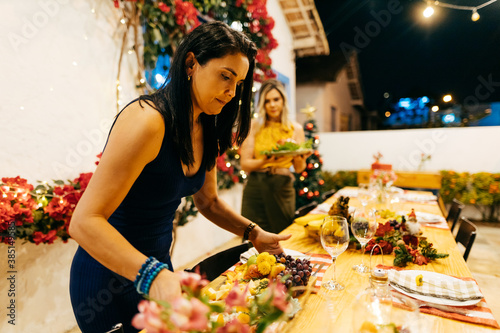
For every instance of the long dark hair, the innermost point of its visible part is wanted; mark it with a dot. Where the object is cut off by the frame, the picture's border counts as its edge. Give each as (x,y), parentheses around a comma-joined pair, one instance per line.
(173,100)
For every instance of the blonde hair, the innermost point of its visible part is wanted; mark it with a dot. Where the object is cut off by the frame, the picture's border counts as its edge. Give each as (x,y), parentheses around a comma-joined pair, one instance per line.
(265,88)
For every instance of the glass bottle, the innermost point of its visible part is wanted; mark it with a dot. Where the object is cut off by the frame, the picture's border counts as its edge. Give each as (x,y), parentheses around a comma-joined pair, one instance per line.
(373,306)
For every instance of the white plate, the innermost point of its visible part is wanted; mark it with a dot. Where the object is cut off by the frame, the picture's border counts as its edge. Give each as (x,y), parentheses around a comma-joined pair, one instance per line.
(425,217)
(295,254)
(290,152)
(436,277)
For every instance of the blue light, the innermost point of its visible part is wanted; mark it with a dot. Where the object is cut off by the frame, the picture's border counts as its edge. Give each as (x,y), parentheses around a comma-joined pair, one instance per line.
(404,102)
(449,118)
(425,99)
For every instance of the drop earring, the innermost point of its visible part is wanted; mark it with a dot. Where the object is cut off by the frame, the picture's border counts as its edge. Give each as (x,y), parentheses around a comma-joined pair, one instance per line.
(189,78)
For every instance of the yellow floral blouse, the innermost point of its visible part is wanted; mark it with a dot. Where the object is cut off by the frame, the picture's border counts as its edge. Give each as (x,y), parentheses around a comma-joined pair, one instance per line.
(267,138)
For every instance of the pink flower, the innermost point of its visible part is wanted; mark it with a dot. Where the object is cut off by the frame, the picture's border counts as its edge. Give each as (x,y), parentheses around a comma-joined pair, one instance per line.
(190,314)
(192,281)
(234,326)
(236,296)
(149,318)
(279,294)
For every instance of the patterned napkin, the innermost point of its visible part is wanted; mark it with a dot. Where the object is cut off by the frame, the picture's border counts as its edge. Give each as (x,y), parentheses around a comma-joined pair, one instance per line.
(479,313)
(456,290)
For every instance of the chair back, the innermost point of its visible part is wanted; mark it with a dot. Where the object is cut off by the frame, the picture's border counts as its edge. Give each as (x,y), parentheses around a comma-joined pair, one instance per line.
(301,211)
(454,213)
(218,263)
(466,235)
(327,194)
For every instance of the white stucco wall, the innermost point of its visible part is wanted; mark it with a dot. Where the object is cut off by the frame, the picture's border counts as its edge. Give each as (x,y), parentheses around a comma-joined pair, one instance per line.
(283,56)
(324,96)
(59,65)
(472,149)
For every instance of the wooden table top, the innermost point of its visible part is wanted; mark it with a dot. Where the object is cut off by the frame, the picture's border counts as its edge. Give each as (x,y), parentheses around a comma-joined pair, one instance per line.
(332,311)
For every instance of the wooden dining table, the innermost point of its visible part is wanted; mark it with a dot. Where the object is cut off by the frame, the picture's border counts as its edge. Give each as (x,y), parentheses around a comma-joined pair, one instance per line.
(332,311)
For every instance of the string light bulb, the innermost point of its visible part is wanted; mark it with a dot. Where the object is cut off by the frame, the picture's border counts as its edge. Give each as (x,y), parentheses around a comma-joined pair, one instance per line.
(475,15)
(428,11)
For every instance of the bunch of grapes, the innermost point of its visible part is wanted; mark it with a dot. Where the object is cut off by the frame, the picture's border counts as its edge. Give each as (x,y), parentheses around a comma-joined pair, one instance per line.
(297,271)
(395,224)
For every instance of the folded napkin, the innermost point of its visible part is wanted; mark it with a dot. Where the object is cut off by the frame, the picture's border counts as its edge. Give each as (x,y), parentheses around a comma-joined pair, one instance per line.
(480,313)
(453,289)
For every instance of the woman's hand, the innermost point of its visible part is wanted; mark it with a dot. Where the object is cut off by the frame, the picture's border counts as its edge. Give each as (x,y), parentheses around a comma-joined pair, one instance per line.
(265,241)
(166,286)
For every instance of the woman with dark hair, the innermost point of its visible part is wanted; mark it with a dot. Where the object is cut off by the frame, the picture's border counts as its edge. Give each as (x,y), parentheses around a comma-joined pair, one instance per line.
(269,195)
(162,147)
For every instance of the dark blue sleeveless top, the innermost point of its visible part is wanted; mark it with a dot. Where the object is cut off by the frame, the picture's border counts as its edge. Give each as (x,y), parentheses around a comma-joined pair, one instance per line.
(145,216)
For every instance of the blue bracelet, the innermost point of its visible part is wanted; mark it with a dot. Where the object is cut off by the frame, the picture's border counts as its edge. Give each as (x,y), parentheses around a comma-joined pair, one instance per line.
(148,272)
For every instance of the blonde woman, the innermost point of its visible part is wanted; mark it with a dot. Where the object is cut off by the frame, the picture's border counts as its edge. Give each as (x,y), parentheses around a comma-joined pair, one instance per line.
(269,195)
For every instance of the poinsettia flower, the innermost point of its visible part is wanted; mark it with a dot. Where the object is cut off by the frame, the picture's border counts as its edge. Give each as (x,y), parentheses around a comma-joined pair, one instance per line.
(189,315)
(383,228)
(419,259)
(411,240)
(84,179)
(40,237)
(163,7)
(149,318)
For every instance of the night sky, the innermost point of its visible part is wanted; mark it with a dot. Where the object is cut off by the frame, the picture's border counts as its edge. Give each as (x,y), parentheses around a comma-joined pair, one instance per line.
(413,56)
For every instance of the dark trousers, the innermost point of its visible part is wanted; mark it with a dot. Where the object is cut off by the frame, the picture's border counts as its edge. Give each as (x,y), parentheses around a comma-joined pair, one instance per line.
(269,201)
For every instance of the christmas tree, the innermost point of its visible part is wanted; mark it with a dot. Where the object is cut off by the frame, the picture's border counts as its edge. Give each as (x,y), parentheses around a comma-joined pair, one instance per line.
(308,183)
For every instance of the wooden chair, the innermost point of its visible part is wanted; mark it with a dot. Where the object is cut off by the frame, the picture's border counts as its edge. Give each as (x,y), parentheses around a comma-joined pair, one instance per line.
(466,235)
(218,263)
(327,194)
(441,205)
(454,213)
(301,211)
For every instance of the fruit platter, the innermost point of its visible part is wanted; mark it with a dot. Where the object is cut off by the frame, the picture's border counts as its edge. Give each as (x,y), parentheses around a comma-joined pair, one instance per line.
(262,269)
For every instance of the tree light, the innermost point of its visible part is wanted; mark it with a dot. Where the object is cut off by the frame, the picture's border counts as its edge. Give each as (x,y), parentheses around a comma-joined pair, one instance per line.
(447,98)
(435,108)
(475,15)
(428,11)
(387,114)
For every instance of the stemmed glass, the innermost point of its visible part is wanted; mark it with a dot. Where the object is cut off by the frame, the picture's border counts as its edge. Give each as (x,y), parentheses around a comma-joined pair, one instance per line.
(363,227)
(334,239)
(364,194)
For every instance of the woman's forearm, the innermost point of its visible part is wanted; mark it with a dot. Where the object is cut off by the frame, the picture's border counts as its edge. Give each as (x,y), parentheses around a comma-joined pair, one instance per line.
(252,164)
(105,244)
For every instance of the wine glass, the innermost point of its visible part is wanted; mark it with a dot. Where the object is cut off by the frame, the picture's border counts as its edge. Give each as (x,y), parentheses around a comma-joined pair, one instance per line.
(363,227)
(364,194)
(334,239)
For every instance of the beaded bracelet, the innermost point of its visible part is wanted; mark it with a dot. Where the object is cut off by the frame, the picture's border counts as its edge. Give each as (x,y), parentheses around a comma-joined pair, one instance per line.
(148,272)
(248,230)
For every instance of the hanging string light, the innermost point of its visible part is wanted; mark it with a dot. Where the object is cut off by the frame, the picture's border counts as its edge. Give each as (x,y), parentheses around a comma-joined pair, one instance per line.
(429,10)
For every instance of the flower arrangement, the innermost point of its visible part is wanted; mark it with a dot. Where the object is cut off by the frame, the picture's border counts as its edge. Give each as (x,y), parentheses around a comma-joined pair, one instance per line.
(166,22)
(405,239)
(194,312)
(383,177)
(40,214)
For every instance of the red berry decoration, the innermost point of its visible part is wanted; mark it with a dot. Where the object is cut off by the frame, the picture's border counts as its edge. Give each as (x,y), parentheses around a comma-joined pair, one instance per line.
(310,166)
(316,153)
(321,160)
(316,137)
(316,193)
(309,126)
(309,195)
(301,192)
(304,174)
(321,182)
